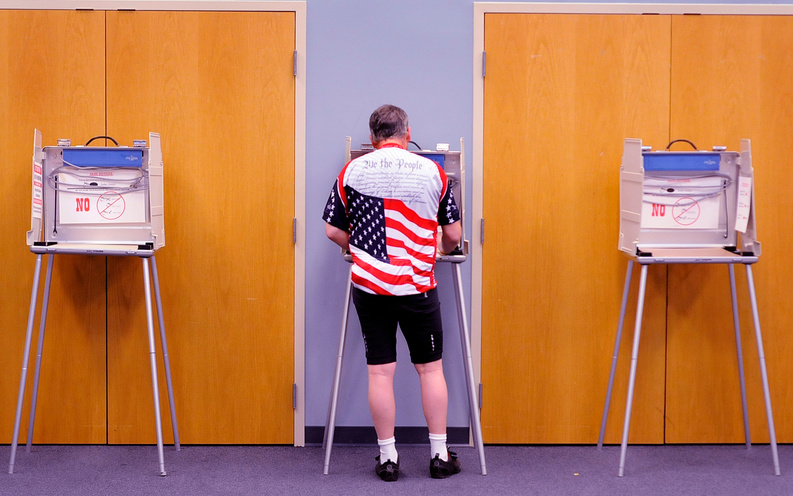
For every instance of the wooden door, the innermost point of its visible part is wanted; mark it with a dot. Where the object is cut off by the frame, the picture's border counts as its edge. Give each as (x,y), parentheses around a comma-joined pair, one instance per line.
(51,78)
(731,80)
(561,94)
(219,88)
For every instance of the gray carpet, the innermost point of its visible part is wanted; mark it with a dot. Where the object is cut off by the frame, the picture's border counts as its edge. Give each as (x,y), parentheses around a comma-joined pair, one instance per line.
(285,470)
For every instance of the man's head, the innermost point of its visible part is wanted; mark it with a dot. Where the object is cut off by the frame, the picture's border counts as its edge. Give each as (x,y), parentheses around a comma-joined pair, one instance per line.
(389,122)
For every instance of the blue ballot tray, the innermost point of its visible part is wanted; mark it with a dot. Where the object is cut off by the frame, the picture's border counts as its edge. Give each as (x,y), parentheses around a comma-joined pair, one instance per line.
(676,161)
(103,157)
(438,158)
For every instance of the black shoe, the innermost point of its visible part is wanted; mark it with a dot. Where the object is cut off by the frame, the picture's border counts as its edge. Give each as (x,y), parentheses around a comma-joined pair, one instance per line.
(388,471)
(440,469)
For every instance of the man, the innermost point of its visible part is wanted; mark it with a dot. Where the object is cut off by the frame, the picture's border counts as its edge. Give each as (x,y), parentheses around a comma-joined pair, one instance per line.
(385,208)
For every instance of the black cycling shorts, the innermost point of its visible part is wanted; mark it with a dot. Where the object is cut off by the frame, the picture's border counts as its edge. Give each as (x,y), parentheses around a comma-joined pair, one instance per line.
(419,317)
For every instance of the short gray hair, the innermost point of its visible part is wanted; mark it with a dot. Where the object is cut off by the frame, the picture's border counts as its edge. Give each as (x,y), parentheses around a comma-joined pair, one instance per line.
(388,121)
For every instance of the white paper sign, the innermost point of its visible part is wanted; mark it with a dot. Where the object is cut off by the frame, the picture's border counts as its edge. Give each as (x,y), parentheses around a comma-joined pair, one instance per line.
(100,197)
(37,204)
(744,203)
(689,203)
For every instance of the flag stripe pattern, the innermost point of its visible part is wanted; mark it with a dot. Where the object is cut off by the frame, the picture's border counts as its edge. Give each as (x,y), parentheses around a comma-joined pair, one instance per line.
(389,201)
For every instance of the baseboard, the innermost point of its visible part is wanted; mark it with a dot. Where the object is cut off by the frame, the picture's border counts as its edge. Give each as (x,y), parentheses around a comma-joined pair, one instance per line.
(367,435)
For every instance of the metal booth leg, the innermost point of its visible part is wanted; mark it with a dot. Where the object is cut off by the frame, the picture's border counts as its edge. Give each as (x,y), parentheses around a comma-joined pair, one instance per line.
(763,371)
(634,358)
(616,353)
(39,350)
(330,423)
(465,340)
(25,356)
(166,361)
(739,349)
(153,361)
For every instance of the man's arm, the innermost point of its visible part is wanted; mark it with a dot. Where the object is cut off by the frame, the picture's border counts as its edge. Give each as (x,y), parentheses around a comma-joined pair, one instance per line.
(341,238)
(451,236)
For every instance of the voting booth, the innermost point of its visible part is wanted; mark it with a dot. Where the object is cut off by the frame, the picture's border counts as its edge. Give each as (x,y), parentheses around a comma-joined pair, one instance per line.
(700,201)
(97,200)
(453,164)
(93,197)
(687,207)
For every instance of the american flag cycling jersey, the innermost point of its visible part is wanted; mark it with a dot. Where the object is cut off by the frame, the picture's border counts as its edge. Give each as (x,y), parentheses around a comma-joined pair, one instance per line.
(391,201)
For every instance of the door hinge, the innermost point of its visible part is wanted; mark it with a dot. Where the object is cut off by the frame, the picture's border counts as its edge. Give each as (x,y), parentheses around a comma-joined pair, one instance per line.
(294,63)
(481,231)
(484,63)
(294,230)
(294,396)
(480,395)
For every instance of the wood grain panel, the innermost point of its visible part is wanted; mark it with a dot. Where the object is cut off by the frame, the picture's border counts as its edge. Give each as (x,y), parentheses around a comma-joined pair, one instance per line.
(51,78)
(220,90)
(561,94)
(731,80)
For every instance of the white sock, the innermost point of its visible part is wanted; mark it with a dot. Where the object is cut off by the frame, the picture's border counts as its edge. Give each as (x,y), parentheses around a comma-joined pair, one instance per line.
(388,450)
(438,446)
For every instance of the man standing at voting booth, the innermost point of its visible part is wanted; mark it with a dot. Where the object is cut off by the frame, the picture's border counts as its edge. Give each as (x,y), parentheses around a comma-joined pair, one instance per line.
(385,209)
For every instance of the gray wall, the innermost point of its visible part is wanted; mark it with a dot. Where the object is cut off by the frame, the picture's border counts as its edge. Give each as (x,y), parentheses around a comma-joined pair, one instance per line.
(361,54)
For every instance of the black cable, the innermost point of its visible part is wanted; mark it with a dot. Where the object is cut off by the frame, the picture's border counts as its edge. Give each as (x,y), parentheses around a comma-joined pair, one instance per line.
(414,143)
(101,137)
(681,140)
